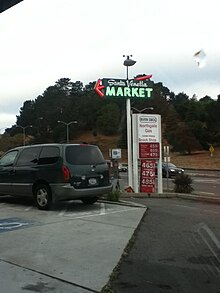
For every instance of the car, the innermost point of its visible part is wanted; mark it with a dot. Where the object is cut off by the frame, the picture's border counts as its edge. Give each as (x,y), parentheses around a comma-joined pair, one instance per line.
(123,167)
(171,170)
(53,172)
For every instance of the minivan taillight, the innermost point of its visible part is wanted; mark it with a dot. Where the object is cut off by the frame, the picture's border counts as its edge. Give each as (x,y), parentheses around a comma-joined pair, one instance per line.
(66,173)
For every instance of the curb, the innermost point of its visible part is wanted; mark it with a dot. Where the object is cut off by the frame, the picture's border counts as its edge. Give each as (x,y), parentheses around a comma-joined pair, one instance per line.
(197,197)
(124,203)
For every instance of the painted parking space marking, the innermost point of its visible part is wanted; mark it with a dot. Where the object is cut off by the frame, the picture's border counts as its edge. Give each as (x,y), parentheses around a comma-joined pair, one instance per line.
(10,224)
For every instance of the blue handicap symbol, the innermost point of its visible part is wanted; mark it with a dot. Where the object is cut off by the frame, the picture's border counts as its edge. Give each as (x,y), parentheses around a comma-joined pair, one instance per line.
(10,224)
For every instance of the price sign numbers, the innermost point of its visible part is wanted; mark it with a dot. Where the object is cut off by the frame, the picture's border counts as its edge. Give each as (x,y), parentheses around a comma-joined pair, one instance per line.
(149,150)
(147,177)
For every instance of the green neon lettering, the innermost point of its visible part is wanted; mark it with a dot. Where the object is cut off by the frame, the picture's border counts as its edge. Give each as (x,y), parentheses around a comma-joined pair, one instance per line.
(110,91)
(149,92)
(135,92)
(141,92)
(127,92)
(119,92)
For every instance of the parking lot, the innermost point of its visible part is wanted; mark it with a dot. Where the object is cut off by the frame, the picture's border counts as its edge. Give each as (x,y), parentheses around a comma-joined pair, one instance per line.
(72,248)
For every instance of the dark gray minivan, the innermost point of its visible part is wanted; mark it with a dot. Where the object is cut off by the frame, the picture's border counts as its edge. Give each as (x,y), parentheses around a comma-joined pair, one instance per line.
(52,172)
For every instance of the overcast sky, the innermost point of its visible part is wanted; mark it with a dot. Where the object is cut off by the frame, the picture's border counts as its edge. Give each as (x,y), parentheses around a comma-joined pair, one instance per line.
(44,40)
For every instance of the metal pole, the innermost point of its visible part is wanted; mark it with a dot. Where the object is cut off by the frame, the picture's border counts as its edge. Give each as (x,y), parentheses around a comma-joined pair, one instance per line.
(128,108)
(23,135)
(67,128)
(129,62)
(67,133)
(135,153)
(159,173)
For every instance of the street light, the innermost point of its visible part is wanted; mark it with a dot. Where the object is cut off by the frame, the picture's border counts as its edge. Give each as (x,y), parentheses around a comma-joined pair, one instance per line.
(67,128)
(23,129)
(129,62)
(142,110)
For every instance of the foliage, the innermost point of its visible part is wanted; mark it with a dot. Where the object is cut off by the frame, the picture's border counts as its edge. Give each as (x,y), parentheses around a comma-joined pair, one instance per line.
(188,124)
(114,195)
(183,184)
(108,119)
(8,142)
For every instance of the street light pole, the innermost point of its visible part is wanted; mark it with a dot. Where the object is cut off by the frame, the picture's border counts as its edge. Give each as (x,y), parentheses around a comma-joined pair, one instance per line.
(67,128)
(23,130)
(142,110)
(129,62)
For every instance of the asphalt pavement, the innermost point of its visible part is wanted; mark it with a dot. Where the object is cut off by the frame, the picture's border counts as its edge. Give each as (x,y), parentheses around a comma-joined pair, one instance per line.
(175,248)
(171,252)
(75,249)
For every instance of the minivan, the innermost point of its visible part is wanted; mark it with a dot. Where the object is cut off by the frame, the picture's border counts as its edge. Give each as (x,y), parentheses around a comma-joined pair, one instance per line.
(53,172)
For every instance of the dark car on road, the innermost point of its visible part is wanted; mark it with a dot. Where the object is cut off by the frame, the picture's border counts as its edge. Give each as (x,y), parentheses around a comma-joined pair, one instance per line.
(52,172)
(171,170)
(123,167)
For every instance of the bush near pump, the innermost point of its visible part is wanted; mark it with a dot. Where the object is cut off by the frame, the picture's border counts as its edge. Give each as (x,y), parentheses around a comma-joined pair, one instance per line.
(183,184)
(114,195)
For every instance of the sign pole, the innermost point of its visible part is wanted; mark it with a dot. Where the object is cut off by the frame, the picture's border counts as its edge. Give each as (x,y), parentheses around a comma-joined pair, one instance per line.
(128,107)
(129,62)
(135,153)
(159,173)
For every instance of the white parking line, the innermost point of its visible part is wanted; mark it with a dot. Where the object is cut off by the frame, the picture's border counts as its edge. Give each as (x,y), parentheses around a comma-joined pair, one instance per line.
(209,238)
(28,209)
(102,209)
(106,213)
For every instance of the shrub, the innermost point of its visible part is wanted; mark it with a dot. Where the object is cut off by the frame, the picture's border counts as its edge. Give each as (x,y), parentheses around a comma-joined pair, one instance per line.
(114,195)
(183,184)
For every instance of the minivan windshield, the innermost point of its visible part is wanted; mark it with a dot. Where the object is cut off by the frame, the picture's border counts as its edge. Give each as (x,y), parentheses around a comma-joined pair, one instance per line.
(84,155)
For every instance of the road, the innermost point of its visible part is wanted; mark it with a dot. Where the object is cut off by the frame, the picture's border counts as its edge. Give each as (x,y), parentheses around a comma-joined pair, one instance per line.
(175,249)
(207,185)
(202,183)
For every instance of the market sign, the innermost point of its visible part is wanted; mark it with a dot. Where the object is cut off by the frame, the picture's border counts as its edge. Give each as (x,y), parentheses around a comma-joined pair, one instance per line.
(137,88)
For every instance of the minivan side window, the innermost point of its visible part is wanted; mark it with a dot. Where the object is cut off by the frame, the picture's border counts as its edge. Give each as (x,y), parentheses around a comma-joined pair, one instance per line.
(49,155)
(8,159)
(29,156)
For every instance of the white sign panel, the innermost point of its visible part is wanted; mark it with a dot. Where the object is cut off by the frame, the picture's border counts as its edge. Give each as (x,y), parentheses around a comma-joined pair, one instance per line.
(116,154)
(148,128)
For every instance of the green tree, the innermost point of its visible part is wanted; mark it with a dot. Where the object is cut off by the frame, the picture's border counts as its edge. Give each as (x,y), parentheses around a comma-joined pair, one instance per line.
(108,119)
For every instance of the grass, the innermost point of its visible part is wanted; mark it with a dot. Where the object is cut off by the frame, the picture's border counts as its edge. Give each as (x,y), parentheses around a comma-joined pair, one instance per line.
(197,160)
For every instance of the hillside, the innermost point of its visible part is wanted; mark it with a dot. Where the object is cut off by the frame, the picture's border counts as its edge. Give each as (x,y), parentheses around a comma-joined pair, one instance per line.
(197,160)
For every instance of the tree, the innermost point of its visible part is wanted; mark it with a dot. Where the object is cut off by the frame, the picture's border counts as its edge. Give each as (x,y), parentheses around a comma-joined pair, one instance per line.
(108,119)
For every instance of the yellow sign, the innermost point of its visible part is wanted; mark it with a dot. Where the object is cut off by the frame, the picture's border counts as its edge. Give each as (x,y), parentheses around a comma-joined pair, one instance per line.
(211,149)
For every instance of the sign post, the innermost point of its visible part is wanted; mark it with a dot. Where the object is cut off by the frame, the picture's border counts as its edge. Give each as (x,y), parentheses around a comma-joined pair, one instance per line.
(139,88)
(147,143)
(211,149)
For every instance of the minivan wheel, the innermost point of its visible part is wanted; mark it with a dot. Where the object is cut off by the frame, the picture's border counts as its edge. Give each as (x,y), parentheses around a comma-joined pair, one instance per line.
(89,200)
(43,197)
